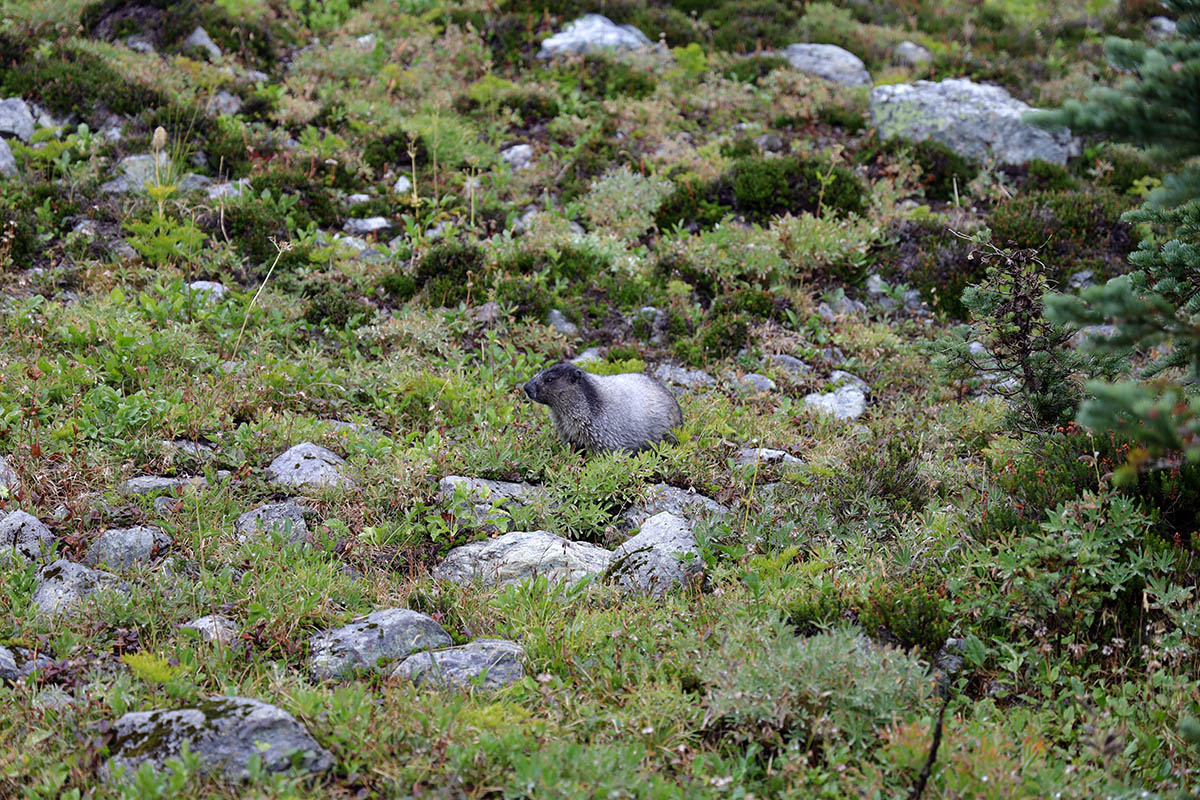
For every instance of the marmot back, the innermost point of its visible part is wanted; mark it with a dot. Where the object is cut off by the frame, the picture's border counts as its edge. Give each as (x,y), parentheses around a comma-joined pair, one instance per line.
(600,413)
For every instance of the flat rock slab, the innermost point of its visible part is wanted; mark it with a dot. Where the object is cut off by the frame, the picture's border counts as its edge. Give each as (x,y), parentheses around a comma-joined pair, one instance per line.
(828,61)
(149,484)
(845,402)
(680,502)
(280,519)
(486,501)
(518,556)
(223,732)
(590,33)
(389,633)
(138,171)
(789,364)
(308,465)
(17,662)
(972,119)
(362,227)
(23,534)
(656,559)
(486,663)
(214,628)
(124,548)
(63,585)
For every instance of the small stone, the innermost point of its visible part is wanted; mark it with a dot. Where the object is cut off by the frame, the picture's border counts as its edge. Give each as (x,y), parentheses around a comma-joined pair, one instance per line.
(194,183)
(139,43)
(590,33)
(682,376)
(828,61)
(790,364)
(366,41)
(24,535)
(214,628)
(591,355)
(749,456)
(225,103)
(402,185)
(841,376)
(8,162)
(277,519)
(308,465)
(389,633)
(519,556)
(498,662)
(662,555)
(1159,29)
(519,156)
(125,548)
(357,199)
(18,662)
(846,402)
(64,584)
(228,189)
(362,227)
(16,119)
(209,292)
(754,382)
(560,323)
(1081,280)
(223,733)
(149,484)
(200,38)
(681,502)
(911,54)
(9,481)
(769,142)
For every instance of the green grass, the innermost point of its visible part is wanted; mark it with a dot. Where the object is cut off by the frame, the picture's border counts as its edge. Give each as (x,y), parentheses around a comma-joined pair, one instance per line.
(804,665)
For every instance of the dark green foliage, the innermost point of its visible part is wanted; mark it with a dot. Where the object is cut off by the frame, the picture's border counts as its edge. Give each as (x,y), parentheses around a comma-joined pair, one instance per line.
(1117,167)
(941,167)
(1073,230)
(749,70)
(884,471)
(692,204)
(335,306)
(251,226)
(313,201)
(611,79)
(814,611)
(399,286)
(68,80)
(722,335)
(760,188)
(575,265)
(590,155)
(531,105)
(930,258)
(741,147)
(1046,176)
(755,302)
(676,27)
(447,269)
(745,26)
(527,295)
(914,612)
(391,150)
(851,119)
(18,225)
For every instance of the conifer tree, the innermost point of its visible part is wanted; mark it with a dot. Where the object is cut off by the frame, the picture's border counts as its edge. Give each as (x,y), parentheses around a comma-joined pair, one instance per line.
(1156,307)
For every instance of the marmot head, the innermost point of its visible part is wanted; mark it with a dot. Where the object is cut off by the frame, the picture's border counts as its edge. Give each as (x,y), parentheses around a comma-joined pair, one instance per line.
(552,383)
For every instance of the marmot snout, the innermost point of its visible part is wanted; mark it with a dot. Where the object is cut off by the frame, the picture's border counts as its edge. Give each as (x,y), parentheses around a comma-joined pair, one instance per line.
(599,413)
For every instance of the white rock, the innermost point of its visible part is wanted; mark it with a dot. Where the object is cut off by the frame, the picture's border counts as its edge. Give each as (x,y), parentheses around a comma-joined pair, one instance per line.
(16,119)
(846,402)
(209,292)
(828,61)
(402,185)
(912,54)
(308,465)
(590,33)
(214,628)
(662,555)
(200,38)
(362,227)
(519,156)
(8,162)
(518,556)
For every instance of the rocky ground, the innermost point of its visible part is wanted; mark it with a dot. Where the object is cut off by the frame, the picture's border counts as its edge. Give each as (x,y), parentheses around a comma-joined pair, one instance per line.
(273,510)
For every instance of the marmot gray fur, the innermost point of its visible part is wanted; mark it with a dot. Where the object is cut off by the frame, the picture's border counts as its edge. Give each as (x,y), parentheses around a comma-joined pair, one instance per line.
(599,413)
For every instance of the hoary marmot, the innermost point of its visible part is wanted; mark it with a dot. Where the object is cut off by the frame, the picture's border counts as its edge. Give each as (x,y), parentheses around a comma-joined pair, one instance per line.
(599,413)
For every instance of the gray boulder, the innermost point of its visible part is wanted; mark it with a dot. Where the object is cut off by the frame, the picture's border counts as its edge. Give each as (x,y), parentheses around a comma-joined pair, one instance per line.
(487,663)
(789,364)
(308,465)
(657,558)
(138,171)
(214,628)
(389,633)
(828,61)
(363,227)
(680,502)
(16,119)
(64,584)
(972,119)
(486,501)
(845,402)
(223,732)
(200,38)
(24,535)
(17,662)
(519,156)
(521,555)
(282,519)
(911,54)
(754,382)
(8,162)
(124,548)
(560,323)
(684,377)
(590,33)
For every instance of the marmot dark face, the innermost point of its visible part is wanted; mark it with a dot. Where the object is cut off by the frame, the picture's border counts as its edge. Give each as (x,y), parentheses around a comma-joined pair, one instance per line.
(602,413)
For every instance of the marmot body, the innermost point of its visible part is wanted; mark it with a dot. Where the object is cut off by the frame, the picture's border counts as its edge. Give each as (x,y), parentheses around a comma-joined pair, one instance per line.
(627,412)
